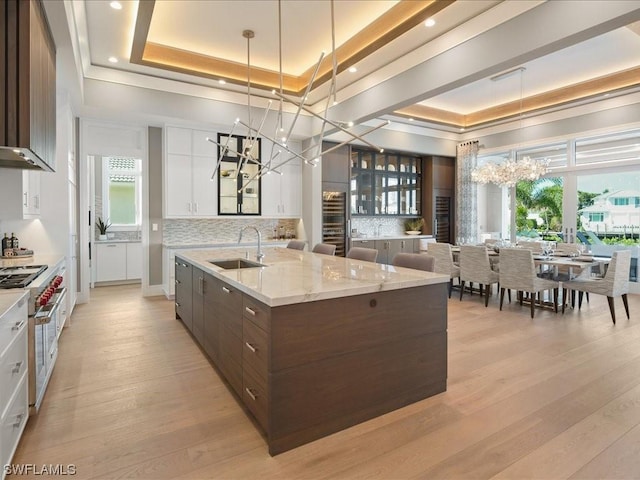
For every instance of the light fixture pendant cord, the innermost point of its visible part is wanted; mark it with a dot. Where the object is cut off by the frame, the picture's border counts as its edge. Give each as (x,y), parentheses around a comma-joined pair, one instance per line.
(280,57)
(333,50)
(249,77)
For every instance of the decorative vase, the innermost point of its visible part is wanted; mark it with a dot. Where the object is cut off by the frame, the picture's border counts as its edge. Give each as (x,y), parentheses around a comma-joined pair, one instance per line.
(102,237)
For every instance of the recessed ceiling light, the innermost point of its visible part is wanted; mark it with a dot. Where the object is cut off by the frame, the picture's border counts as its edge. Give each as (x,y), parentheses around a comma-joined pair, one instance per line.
(411,119)
(606,94)
(430,22)
(222,81)
(113,59)
(116,5)
(462,129)
(350,124)
(353,69)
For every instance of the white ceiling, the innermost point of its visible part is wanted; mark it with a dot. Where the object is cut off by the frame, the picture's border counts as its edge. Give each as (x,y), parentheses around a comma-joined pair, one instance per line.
(215,28)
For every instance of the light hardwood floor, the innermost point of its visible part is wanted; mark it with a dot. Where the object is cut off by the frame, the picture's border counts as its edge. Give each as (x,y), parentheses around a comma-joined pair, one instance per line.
(132,396)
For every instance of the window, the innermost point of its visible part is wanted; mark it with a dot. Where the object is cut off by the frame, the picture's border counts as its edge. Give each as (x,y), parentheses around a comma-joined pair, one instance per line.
(596,217)
(620,201)
(121,192)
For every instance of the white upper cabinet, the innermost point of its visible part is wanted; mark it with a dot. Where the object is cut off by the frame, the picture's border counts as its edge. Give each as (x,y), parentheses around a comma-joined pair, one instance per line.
(282,194)
(189,163)
(19,194)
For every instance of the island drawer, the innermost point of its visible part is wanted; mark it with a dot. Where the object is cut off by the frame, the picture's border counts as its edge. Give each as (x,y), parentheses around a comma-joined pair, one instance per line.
(12,323)
(13,365)
(257,312)
(254,396)
(255,351)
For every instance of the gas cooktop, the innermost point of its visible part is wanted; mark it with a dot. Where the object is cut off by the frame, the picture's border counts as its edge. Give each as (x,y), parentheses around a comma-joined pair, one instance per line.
(19,276)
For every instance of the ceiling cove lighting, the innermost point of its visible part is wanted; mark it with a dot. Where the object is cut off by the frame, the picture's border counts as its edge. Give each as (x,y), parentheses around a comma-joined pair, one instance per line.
(311,154)
(512,170)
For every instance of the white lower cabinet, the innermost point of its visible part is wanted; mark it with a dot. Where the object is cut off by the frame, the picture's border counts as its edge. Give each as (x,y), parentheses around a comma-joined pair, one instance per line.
(118,261)
(14,380)
(134,261)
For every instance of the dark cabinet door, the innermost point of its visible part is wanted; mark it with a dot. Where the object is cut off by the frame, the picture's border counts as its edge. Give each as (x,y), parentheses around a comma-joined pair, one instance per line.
(198,305)
(239,179)
(183,296)
(211,321)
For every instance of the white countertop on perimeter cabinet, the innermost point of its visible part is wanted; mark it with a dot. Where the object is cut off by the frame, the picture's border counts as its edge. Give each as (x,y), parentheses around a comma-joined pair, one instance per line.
(222,244)
(8,298)
(117,241)
(293,276)
(52,261)
(390,237)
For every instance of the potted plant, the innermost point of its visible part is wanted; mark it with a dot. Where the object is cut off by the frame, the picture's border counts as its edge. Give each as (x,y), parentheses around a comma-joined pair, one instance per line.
(414,226)
(102,228)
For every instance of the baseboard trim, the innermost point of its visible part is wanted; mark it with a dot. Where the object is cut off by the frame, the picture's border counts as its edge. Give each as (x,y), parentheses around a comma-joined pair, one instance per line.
(153,291)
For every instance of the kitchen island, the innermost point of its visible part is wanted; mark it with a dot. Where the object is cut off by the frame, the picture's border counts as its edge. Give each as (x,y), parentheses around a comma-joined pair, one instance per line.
(313,343)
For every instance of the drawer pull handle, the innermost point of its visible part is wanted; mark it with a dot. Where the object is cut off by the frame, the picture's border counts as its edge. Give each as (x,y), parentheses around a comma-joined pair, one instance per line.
(17,367)
(251,347)
(250,311)
(177,304)
(177,282)
(19,418)
(226,290)
(251,394)
(18,325)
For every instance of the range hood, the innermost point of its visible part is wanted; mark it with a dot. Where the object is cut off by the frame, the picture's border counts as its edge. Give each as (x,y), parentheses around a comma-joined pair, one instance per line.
(28,93)
(23,158)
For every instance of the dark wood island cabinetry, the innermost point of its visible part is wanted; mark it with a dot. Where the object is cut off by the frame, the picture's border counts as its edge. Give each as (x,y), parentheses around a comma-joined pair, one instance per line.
(305,369)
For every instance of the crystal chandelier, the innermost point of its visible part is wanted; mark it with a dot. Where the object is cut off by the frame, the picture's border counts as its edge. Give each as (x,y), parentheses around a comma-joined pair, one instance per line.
(510,172)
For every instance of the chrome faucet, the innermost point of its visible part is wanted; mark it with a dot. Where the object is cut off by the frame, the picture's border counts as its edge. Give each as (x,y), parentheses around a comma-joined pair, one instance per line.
(259,255)
(378,229)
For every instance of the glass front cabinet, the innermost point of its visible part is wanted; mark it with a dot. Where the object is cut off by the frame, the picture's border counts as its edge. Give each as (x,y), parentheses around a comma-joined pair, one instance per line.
(239,188)
(385,183)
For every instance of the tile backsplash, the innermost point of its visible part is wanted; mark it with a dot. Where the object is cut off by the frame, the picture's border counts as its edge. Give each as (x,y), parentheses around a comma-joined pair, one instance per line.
(377,226)
(218,230)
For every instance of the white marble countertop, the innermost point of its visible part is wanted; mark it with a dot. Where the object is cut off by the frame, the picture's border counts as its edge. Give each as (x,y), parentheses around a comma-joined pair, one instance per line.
(389,237)
(8,298)
(293,276)
(270,242)
(117,241)
(37,259)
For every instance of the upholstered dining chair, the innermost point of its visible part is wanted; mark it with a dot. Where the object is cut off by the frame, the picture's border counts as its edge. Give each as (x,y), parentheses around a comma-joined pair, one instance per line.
(518,272)
(475,267)
(417,261)
(296,244)
(361,253)
(615,283)
(444,261)
(533,246)
(324,248)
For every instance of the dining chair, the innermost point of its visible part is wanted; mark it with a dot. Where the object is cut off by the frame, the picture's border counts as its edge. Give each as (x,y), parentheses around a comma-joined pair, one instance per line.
(444,261)
(296,244)
(475,267)
(518,272)
(361,253)
(324,248)
(533,246)
(615,283)
(417,261)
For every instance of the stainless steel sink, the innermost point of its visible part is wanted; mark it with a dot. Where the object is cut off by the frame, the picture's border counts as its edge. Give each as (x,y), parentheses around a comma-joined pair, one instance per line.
(235,263)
